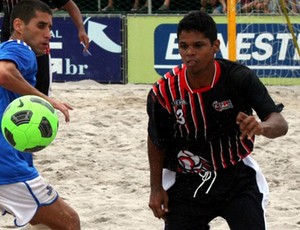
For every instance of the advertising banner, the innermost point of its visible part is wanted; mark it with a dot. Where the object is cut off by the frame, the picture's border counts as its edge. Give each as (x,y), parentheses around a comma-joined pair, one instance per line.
(142,44)
(269,54)
(103,64)
(70,63)
(267,48)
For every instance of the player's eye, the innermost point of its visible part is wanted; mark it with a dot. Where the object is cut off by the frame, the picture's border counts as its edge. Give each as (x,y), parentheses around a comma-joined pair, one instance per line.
(183,46)
(198,45)
(42,26)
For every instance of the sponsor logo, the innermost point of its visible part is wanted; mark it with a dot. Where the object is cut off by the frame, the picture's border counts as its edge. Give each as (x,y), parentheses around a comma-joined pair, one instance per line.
(222,105)
(179,102)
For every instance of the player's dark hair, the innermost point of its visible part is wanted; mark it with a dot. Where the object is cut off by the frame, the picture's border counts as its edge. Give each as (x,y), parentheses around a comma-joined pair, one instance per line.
(26,10)
(201,22)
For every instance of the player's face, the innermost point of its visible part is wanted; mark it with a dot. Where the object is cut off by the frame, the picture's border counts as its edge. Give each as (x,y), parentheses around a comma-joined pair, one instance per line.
(37,32)
(196,51)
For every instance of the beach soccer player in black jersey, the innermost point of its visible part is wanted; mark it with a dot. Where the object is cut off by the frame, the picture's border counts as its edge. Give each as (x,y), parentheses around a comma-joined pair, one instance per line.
(201,134)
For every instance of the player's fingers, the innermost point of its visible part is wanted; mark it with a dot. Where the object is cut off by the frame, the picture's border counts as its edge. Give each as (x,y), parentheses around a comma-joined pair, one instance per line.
(86,42)
(244,127)
(68,106)
(240,117)
(154,210)
(256,130)
(248,135)
(165,207)
(243,135)
(65,111)
(160,213)
(157,210)
(66,114)
(85,39)
(249,128)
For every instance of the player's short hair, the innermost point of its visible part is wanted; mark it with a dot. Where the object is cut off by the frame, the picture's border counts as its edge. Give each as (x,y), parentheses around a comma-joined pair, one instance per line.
(201,22)
(26,10)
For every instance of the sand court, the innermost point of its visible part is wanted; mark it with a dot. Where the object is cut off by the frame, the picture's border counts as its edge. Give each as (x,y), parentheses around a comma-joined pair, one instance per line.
(98,161)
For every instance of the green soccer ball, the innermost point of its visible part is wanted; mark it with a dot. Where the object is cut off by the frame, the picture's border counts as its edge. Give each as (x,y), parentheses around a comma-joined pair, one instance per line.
(29,123)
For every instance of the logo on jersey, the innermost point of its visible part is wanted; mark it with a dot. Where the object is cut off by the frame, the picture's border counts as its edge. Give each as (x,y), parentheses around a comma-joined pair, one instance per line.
(179,102)
(222,105)
(192,163)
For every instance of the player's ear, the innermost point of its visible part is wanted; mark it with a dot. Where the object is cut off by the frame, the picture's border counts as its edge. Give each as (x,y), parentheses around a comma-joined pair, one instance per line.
(18,25)
(216,46)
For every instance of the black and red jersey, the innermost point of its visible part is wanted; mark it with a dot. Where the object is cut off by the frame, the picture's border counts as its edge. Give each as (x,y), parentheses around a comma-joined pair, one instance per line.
(197,128)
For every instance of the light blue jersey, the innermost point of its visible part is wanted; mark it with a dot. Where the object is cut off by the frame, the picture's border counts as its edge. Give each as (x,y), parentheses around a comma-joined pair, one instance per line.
(16,166)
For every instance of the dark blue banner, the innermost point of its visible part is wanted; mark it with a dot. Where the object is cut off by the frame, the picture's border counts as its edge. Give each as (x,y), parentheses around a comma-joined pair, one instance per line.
(266,48)
(69,63)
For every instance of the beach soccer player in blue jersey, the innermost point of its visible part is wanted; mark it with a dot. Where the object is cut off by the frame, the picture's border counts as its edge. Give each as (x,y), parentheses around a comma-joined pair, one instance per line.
(201,134)
(23,192)
(44,74)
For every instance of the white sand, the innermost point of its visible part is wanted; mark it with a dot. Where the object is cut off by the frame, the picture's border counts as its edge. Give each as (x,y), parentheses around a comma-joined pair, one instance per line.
(99,165)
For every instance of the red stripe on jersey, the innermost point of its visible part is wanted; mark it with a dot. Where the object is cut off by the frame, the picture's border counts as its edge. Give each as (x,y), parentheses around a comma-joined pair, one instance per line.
(245,147)
(159,97)
(217,74)
(223,160)
(176,70)
(214,81)
(182,92)
(203,115)
(194,115)
(185,110)
(172,90)
(214,162)
(232,160)
(192,111)
(163,93)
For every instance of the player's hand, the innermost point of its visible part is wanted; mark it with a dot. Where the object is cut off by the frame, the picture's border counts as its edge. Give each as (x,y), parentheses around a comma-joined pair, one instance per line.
(61,106)
(83,37)
(159,202)
(249,126)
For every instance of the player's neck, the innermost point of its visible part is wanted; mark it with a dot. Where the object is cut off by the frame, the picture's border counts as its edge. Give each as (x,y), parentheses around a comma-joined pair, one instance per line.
(202,79)
(14,37)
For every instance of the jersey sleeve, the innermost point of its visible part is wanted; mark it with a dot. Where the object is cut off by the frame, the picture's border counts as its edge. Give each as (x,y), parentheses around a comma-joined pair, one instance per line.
(23,57)
(60,3)
(257,95)
(158,121)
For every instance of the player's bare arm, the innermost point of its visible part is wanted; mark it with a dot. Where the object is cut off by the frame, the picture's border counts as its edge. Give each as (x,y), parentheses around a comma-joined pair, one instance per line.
(75,14)
(273,126)
(11,79)
(158,196)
